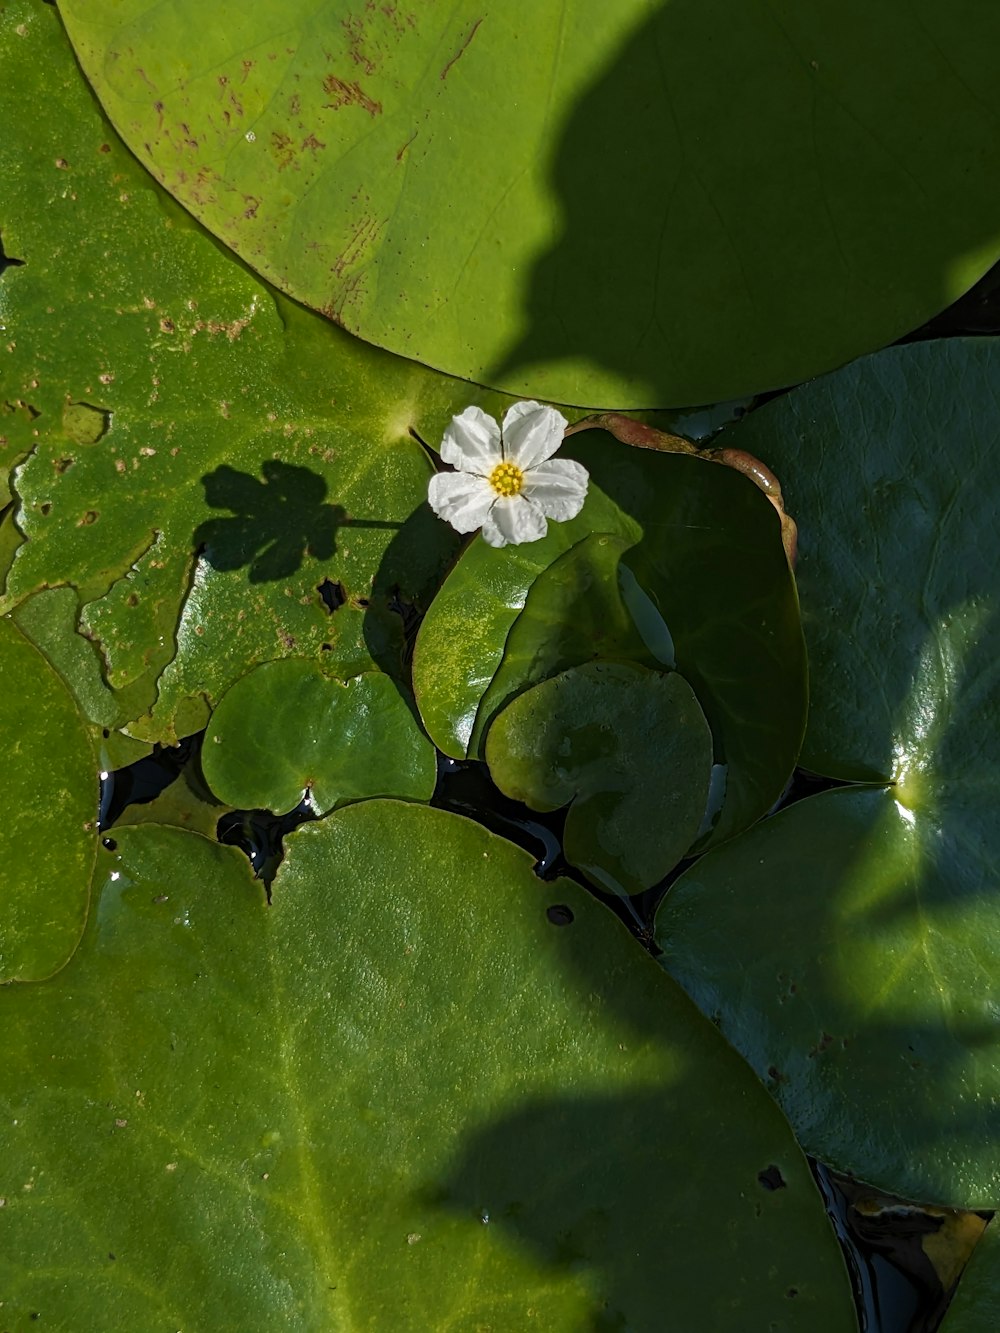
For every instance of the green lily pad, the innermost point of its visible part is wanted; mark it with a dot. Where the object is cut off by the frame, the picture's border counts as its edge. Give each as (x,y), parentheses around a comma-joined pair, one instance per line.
(848,947)
(578,609)
(889,465)
(256,1118)
(711,559)
(48,836)
(777,192)
(199,458)
(460,644)
(286,731)
(975,1307)
(704,545)
(627,749)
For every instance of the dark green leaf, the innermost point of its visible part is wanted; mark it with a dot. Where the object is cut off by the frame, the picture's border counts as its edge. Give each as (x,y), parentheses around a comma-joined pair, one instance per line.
(627,749)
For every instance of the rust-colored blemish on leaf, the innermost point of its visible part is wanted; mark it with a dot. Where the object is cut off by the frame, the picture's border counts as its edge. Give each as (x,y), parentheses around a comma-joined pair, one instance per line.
(461,50)
(312,143)
(349,94)
(641,436)
(294,104)
(283,149)
(402,152)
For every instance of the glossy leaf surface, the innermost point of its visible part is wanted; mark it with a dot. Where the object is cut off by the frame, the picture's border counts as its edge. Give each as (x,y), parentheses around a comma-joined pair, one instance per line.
(461,642)
(848,948)
(48,835)
(203,461)
(704,545)
(286,730)
(604,204)
(627,749)
(281,1117)
(575,611)
(889,465)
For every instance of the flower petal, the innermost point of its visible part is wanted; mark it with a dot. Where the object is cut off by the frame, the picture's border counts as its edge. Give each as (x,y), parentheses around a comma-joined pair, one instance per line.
(462,500)
(513,520)
(558,487)
(472,442)
(532,433)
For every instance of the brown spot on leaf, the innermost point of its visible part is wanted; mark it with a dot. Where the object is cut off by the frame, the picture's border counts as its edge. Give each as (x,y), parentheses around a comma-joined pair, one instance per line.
(281,146)
(349,94)
(89,517)
(461,50)
(312,143)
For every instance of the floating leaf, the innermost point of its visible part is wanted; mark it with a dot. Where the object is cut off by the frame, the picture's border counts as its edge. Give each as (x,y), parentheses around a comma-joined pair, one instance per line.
(890,467)
(712,561)
(976,1305)
(575,611)
(49,829)
(848,947)
(627,749)
(263,1118)
(230,420)
(602,204)
(286,730)
(461,641)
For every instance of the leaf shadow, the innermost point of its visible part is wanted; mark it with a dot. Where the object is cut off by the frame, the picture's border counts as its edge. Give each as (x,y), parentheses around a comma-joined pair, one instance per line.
(274,523)
(681,178)
(642,1194)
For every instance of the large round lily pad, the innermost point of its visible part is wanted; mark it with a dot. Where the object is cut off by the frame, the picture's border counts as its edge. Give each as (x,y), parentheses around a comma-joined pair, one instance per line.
(286,730)
(599,204)
(467,1116)
(48,835)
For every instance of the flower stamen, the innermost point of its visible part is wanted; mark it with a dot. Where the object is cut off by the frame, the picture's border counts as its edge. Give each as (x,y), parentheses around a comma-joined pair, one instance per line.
(507,479)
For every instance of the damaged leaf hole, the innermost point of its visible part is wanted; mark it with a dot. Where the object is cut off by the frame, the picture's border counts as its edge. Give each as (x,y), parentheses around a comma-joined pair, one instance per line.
(85,423)
(332,596)
(771,1179)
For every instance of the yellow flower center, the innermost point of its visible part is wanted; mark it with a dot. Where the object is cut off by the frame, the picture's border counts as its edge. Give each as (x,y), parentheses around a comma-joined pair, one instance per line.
(507,479)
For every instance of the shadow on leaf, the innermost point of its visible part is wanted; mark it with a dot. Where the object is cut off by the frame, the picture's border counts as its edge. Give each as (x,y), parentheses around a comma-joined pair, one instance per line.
(275,522)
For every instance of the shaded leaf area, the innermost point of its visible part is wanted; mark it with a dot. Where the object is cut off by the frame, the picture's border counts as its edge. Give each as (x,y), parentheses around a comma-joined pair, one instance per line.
(286,731)
(48,835)
(777,191)
(704,547)
(847,948)
(627,749)
(461,642)
(890,467)
(151,385)
(585,605)
(976,1307)
(244,1083)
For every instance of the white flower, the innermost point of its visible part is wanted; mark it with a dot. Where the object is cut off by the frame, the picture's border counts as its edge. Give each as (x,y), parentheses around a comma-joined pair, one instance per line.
(507,481)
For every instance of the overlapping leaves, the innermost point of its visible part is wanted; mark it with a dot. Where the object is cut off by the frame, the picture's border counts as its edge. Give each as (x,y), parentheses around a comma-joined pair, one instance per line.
(849,946)
(622,205)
